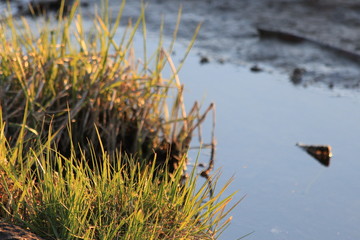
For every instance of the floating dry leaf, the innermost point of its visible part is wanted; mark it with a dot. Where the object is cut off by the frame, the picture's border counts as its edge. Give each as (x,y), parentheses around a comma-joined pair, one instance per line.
(322,153)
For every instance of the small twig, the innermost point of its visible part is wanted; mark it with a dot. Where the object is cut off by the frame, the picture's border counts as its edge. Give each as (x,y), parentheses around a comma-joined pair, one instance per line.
(207,171)
(210,167)
(202,118)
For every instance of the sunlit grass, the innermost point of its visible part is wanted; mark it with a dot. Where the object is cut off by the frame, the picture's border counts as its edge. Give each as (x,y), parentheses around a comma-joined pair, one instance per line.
(93,142)
(115,201)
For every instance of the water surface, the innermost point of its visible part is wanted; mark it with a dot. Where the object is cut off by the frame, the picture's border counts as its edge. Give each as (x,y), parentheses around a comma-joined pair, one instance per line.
(260,117)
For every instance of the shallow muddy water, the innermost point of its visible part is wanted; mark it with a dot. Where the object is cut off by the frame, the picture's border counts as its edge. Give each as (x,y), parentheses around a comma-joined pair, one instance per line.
(327,53)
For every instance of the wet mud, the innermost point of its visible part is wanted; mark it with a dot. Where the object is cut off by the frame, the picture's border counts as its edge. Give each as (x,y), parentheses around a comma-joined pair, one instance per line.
(313,42)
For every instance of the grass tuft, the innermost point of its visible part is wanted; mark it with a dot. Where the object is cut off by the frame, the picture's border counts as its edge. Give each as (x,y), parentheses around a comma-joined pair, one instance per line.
(93,143)
(61,72)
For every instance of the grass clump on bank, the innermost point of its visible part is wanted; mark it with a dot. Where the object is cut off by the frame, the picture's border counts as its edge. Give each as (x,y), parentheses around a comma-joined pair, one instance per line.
(122,201)
(92,142)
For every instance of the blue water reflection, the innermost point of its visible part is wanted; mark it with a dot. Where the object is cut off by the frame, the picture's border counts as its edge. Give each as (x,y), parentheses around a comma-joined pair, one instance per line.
(260,117)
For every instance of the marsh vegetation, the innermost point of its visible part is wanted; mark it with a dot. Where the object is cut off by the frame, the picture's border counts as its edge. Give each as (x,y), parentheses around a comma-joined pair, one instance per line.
(93,141)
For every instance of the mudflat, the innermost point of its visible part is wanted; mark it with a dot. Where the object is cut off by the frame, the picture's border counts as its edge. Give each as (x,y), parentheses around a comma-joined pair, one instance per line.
(259,32)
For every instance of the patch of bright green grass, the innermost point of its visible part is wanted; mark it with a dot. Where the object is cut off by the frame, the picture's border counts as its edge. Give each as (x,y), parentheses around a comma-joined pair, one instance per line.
(114,201)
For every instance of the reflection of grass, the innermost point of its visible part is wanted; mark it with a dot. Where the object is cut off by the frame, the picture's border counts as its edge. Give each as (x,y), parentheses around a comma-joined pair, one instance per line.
(78,113)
